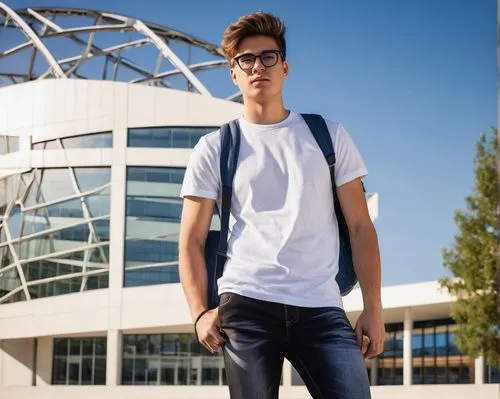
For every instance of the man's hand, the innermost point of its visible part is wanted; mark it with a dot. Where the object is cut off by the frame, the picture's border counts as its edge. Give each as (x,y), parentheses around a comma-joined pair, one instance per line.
(371,325)
(208,330)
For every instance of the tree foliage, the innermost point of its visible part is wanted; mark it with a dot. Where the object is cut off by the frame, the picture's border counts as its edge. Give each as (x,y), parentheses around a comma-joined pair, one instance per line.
(474,260)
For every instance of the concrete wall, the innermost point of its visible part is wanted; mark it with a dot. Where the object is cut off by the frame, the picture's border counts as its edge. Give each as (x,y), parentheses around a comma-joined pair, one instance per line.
(17,362)
(55,108)
(154,392)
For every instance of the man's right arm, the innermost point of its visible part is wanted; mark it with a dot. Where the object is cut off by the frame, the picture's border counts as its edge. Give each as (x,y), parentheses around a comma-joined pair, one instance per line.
(195,222)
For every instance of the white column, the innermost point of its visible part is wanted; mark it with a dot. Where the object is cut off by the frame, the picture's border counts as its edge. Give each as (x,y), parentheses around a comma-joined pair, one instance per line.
(374,371)
(479,370)
(117,234)
(113,358)
(407,352)
(116,250)
(117,222)
(287,373)
(199,366)
(44,361)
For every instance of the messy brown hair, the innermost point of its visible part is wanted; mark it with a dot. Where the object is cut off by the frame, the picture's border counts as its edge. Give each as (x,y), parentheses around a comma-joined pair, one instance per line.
(255,24)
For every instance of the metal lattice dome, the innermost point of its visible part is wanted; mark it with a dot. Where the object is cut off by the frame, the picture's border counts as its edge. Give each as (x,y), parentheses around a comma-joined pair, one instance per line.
(56,42)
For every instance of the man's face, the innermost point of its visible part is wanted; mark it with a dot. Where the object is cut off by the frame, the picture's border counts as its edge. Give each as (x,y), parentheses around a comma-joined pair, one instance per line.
(256,80)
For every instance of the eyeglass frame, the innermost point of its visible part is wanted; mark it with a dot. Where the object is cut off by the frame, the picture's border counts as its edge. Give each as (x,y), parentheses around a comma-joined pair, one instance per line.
(259,56)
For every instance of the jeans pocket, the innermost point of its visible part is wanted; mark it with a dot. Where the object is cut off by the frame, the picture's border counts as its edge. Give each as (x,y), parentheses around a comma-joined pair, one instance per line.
(225,298)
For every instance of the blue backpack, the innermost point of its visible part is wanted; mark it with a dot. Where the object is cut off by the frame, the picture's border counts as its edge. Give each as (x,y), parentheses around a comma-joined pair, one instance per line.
(216,243)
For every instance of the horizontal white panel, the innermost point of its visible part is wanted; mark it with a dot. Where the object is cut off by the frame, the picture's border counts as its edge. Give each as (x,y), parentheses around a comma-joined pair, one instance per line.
(156,305)
(14,160)
(400,296)
(153,106)
(173,157)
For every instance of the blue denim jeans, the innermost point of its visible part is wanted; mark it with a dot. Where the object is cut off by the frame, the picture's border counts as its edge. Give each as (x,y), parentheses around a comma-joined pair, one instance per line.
(319,342)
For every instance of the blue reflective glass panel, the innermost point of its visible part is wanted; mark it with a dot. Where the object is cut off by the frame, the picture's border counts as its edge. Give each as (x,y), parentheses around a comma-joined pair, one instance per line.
(153,210)
(167,137)
(97,140)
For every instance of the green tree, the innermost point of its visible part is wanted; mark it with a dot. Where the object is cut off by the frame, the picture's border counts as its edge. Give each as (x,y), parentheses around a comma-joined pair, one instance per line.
(473,260)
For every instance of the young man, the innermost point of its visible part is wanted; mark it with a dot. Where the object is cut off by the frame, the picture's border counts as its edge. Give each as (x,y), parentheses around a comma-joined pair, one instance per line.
(278,293)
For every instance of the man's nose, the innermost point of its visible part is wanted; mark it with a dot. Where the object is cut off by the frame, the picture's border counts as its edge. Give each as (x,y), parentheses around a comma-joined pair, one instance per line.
(258,65)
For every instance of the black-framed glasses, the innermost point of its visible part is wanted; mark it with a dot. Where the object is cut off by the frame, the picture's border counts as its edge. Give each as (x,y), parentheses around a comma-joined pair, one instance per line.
(268,58)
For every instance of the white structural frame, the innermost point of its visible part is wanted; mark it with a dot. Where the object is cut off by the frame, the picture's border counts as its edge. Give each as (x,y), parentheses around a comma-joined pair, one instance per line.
(153,34)
(34,40)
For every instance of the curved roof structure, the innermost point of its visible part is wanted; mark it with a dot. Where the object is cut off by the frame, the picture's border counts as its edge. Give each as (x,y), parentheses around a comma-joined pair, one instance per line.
(66,43)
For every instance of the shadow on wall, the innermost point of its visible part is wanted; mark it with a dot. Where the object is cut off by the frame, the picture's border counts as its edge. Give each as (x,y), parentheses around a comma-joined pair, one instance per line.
(17,362)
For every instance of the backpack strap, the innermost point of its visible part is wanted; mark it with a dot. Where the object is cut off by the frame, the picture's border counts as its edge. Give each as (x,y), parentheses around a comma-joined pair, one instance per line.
(319,129)
(230,148)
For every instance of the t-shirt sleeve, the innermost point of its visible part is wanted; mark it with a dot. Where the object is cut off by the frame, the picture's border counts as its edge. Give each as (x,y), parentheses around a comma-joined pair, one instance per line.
(202,172)
(349,163)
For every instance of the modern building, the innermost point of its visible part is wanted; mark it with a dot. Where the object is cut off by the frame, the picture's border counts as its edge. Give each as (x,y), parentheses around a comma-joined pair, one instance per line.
(93,146)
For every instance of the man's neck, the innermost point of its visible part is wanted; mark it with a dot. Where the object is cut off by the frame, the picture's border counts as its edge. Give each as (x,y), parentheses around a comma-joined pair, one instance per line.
(265,113)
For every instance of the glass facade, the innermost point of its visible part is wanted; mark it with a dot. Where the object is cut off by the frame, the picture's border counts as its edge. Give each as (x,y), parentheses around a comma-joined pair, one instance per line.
(55,232)
(95,140)
(79,361)
(8,144)
(153,213)
(167,137)
(390,362)
(169,359)
(492,375)
(436,358)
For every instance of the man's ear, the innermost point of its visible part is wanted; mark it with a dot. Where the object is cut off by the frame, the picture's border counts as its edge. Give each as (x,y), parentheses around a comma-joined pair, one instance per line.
(286,68)
(233,76)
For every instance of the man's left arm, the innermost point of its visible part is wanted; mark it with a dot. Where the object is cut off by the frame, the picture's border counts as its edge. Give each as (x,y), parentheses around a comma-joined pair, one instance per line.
(366,259)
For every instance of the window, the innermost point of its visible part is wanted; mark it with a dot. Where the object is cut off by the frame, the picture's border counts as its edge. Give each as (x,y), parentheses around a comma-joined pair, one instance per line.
(63,209)
(95,140)
(436,358)
(492,375)
(169,359)
(79,361)
(390,362)
(153,212)
(9,144)
(167,137)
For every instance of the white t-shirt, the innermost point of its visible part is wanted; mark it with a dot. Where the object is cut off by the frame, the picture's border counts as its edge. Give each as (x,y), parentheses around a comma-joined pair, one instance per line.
(283,240)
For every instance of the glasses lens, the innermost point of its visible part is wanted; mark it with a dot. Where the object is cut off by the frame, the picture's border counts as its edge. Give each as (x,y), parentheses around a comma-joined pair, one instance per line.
(269,59)
(246,61)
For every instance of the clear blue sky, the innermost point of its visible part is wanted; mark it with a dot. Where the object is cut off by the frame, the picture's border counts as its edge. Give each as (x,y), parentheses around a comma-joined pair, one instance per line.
(414,82)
